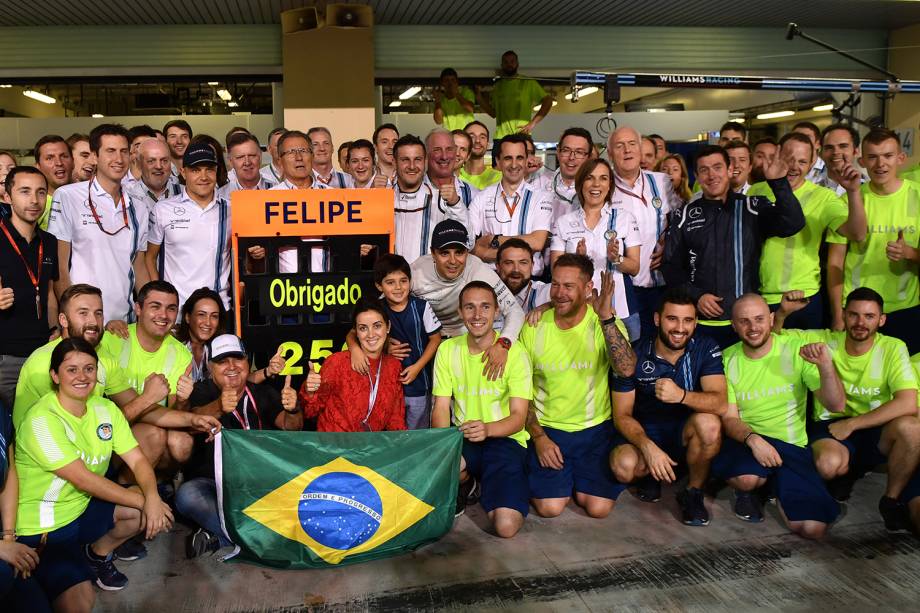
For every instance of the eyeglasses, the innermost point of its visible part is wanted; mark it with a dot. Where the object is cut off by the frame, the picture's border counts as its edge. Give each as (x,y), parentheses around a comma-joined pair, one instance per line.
(297,153)
(574,153)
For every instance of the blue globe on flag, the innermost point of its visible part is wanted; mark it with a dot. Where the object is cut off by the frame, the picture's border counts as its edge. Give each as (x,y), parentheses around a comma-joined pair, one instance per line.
(340,510)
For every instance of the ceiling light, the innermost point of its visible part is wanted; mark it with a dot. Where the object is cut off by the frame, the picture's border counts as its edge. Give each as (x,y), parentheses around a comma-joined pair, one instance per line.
(224,95)
(233,104)
(410,92)
(395,104)
(776,114)
(539,106)
(34,95)
(823,107)
(655,110)
(5,86)
(737,119)
(588,91)
(212,83)
(97,115)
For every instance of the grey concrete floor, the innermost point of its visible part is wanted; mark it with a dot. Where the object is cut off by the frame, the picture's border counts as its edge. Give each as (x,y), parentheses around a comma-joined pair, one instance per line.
(638,559)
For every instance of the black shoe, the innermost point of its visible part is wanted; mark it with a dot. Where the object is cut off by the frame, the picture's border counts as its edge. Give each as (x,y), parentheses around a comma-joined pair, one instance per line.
(475,492)
(107,576)
(130,550)
(467,489)
(895,514)
(200,542)
(841,488)
(693,509)
(648,489)
(747,507)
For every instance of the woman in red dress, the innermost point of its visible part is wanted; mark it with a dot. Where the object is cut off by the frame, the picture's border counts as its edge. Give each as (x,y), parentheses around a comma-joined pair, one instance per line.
(345,401)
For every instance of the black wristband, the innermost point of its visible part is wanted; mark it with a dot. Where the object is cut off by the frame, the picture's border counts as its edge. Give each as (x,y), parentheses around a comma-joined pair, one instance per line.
(744,442)
(682,398)
(611,320)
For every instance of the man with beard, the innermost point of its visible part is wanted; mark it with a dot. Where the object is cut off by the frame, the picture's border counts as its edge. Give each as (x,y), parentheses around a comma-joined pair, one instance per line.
(272,172)
(765,434)
(513,98)
(794,262)
(879,423)
(420,202)
(514,263)
(385,137)
(763,151)
(84,159)
(245,154)
(101,228)
(573,150)
(572,348)
(476,173)
(668,411)
(323,150)
(137,135)
(28,266)
(54,158)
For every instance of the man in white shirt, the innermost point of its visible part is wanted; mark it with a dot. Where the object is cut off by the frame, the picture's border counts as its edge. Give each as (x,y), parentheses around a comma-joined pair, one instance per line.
(156,181)
(573,149)
(323,150)
(839,147)
(245,154)
(739,154)
(136,136)
(511,207)
(101,231)
(649,196)
(83,159)
(385,137)
(272,171)
(515,269)
(190,233)
(178,136)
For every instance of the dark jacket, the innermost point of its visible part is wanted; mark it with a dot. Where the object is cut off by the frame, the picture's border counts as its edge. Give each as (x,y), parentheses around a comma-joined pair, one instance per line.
(714,247)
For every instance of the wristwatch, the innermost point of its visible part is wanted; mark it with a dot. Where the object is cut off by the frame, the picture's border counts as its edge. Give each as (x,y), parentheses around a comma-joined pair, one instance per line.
(495,244)
(504,342)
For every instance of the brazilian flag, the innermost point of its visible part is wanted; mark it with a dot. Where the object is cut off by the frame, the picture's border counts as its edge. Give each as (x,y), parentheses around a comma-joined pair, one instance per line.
(321,499)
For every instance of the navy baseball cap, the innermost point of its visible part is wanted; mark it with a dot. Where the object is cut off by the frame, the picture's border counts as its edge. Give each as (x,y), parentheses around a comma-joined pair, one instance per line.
(450,233)
(199,153)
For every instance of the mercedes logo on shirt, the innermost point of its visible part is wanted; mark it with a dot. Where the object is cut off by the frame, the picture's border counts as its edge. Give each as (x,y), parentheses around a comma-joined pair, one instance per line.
(695,212)
(648,367)
(178,210)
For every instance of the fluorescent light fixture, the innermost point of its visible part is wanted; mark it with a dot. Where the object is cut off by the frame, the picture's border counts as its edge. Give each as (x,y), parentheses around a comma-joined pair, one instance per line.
(224,95)
(737,119)
(588,91)
(212,83)
(395,103)
(655,110)
(5,86)
(233,104)
(410,92)
(97,115)
(537,108)
(823,107)
(34,95)
(776,114)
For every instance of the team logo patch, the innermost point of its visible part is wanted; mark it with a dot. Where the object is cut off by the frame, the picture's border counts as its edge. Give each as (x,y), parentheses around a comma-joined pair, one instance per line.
(648,367)
(178,210)
(695,212)
(104,432)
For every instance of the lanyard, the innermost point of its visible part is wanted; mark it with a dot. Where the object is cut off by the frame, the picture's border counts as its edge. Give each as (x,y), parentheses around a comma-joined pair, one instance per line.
(244,419)
(400,193)
(372,396)
(556,189)
(511,208)
(92,209)
(34,276)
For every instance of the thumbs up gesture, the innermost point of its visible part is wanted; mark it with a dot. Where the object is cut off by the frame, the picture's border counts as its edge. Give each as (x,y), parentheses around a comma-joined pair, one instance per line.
(314,379)
(449,192)
(899,250)
(276,364)
(288,396)
(6,297)
(581,248)
(229,398)
(184,385)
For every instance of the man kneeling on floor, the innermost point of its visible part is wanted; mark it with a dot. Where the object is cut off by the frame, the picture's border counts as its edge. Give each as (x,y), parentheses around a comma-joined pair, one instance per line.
(764,425)
(490,414)
(668,411)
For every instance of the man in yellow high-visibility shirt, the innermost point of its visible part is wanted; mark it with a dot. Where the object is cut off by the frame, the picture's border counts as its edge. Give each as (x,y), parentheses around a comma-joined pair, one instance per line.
(513,98)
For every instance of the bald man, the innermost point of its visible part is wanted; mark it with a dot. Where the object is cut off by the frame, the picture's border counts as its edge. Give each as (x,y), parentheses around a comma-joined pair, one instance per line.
(768,376)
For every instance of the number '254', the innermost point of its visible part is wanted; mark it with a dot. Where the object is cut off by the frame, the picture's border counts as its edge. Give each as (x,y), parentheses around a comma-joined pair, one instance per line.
(293,354)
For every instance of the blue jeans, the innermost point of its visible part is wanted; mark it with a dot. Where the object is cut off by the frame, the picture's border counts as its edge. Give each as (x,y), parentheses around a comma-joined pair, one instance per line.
(197,500)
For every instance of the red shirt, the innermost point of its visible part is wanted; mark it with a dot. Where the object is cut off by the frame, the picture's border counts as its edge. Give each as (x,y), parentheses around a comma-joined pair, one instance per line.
(341,402)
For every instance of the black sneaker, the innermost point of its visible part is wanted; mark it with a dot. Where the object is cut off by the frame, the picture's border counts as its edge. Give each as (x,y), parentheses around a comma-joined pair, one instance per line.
(466,489)
(693,510)
(648,489)
(107,576)
(130,550)
(200,542)
(841,488)
(895,514)
(475,492)
(747,507)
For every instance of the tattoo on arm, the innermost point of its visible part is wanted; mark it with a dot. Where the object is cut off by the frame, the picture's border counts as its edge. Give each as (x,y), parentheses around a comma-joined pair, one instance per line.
(619,351)
(532,423)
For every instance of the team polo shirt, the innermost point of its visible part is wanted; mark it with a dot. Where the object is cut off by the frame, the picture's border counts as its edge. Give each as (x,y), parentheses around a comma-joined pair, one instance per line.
(866,263)
(49,439)
(170,360)
(455,116)
(641,199)
(869,380)
(793,263)
(571,228)
(534,294)
(569,371)
(35,380)
(129,180)
(335,180)
(489,176)
(413,325)
(702,357)
(417,213)
(770,392)
(271,174)
(100,259)
(565,200)
(21,327)
(513,100)
(142,194)
(288,256)
(233,185)
(531,210)
(458,375)
(194,244)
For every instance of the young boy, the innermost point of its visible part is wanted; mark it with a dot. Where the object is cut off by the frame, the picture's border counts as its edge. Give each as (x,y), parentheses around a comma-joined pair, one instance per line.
(415,334)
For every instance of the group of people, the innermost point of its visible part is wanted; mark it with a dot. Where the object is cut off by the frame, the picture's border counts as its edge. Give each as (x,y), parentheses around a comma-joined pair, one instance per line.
(588,329)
